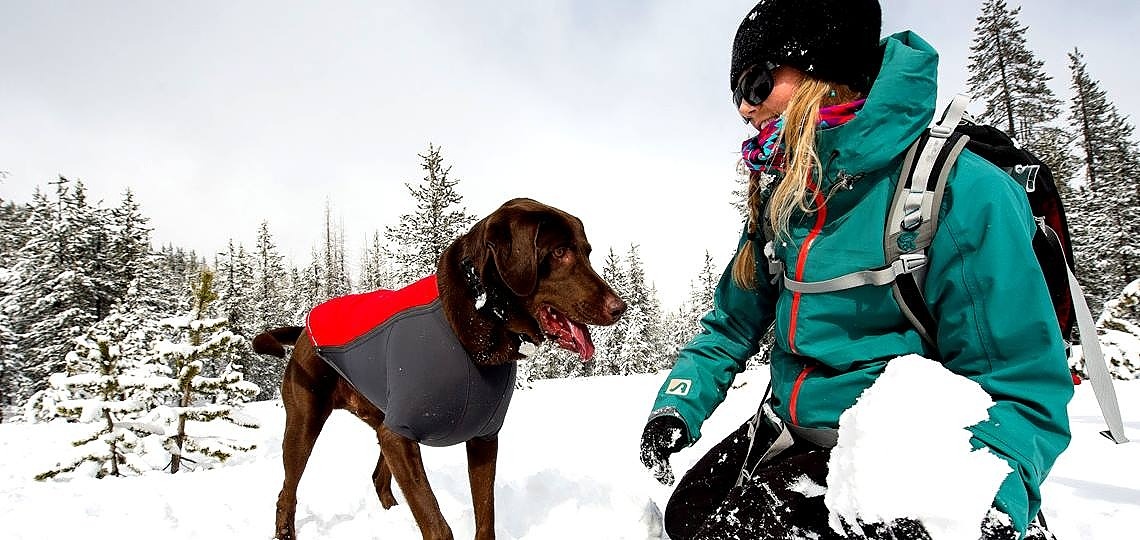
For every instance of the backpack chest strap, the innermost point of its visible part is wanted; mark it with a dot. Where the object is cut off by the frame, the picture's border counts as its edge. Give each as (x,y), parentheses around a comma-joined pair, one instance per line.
(907,263)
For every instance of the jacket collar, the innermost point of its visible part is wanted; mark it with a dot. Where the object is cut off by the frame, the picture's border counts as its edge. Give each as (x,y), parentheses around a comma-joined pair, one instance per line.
(899,106)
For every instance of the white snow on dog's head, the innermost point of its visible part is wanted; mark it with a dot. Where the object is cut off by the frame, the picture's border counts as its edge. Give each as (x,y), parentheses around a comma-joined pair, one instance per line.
(904,452)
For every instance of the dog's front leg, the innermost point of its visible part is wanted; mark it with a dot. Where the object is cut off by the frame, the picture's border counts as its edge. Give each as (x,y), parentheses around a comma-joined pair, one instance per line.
(403,458)
(482,455)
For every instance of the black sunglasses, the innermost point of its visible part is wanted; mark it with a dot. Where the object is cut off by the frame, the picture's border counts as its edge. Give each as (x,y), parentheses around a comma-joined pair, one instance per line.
(755,84)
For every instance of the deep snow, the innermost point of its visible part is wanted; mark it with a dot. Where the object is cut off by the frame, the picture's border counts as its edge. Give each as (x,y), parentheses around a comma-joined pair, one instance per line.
(568,468)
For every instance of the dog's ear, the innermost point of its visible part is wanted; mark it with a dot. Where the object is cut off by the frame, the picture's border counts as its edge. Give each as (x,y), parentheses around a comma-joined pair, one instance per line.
(512,238)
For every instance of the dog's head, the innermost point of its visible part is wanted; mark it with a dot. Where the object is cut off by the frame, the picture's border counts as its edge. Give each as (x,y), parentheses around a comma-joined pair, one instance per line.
(540,255)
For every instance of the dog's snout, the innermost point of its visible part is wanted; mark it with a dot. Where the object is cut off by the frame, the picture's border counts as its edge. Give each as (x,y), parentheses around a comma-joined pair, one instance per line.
(615,306)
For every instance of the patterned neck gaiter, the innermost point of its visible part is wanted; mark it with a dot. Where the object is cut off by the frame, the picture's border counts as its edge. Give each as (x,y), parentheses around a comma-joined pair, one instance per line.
(765,154)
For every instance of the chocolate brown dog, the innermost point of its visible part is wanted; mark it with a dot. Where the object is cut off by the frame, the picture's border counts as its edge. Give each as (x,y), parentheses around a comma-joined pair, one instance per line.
(520,276)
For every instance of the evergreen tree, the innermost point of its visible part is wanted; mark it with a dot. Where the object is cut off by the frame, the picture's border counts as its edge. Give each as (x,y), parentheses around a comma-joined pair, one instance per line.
(109,383)
(1107,219)
(334,271)
(270,280)
(1119,335)
(12,379)
(270,311)
(421,236)
(1008,76)
(310,286)
(375,270)
(740,194)
(237,288)
(609,340)
(12,237)
(551,362)
(301,295)
(203,339)
(129,244)
(642,349)
(56,296)
(698,304)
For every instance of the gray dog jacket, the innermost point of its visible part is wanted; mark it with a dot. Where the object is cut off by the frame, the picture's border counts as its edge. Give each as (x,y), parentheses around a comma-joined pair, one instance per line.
(397,349)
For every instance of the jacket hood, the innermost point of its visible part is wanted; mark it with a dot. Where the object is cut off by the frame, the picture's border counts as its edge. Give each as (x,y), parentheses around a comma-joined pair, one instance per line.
(899,107)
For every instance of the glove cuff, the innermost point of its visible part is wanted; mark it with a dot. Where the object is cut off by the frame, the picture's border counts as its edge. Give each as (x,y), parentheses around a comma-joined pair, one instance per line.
(667,417)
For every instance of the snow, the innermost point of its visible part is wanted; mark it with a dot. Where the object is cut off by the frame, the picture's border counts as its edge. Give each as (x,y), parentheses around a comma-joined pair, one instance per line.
(568,468)
(900,438)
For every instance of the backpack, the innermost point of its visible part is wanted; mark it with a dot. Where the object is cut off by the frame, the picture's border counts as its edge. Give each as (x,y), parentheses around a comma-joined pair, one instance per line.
(913,219)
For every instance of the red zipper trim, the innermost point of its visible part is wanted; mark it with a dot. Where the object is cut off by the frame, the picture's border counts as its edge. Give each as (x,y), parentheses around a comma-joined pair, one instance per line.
(796,393)
(801,261)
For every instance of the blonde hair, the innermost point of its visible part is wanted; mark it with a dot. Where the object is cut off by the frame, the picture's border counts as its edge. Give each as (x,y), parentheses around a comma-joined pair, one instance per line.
(792,192)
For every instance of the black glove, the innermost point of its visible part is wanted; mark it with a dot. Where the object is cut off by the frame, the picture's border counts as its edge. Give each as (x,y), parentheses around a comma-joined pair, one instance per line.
(662,437)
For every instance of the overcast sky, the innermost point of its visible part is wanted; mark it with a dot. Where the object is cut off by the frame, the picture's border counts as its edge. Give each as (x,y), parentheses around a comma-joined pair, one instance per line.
(222,114)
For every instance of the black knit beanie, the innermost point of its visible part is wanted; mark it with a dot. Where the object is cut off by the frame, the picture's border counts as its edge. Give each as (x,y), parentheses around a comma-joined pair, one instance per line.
(832,40)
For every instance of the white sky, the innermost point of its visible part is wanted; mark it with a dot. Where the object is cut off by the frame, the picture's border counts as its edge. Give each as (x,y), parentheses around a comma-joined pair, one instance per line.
(222,114)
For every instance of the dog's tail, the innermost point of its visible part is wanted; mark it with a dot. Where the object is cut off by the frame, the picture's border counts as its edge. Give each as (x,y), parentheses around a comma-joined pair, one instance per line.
(273,342)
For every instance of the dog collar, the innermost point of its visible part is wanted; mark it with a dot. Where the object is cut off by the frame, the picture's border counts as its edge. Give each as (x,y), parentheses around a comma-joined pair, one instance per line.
(491,303)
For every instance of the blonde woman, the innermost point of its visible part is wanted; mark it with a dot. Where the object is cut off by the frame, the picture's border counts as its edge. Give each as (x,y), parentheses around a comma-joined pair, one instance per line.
(836,109)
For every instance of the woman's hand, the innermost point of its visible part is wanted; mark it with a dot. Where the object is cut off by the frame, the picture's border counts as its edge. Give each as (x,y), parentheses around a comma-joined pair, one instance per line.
(662,437)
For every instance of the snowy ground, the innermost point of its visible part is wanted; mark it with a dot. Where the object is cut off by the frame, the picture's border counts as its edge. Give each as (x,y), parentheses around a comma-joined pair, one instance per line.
(568,468)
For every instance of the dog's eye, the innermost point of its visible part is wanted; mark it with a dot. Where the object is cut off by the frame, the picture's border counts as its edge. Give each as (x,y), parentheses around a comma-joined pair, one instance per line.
(560,252)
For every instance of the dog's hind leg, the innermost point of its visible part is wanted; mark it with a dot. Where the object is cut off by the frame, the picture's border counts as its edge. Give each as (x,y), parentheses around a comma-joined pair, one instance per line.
(305,415)
(382,478)
(403,456)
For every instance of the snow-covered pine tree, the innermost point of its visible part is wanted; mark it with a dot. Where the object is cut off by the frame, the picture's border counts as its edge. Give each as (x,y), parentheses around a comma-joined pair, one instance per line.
(270,282)
(129,243)
(642,349)
(375,266)
(110,381)
(552,362)
(203,401)
(11,361)
(1119,335)
(698,303)
(237,302)
(421,236)
(1107,213)
(311,285)
(740,194)
(301,296)
(11,238)
(1008,76)
(270,310)
(334,270)
(56,296)
(609,340)
(181,267)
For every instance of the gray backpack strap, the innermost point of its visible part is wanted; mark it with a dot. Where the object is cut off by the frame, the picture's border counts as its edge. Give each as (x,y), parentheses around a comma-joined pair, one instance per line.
(914,212)
(913,217)
(906,263)
(1094,364)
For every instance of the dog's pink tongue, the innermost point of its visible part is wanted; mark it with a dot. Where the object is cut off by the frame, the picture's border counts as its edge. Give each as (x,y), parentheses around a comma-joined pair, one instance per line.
(581,337)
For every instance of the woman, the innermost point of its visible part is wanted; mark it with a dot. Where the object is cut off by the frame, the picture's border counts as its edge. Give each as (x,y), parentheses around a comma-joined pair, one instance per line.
(836,109)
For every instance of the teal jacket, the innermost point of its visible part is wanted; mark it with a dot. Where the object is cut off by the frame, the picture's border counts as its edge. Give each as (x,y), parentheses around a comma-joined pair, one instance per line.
(996,323)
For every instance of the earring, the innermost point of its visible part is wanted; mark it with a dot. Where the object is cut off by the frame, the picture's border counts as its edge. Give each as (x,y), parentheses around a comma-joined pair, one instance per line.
(831,93)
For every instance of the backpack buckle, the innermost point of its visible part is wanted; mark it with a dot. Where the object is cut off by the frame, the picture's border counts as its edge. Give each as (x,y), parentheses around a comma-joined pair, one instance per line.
(1026,175)
(908,263)
(941,131)
(775,265)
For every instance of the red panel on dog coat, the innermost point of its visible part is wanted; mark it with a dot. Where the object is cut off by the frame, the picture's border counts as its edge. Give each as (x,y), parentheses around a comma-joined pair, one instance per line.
(340,320)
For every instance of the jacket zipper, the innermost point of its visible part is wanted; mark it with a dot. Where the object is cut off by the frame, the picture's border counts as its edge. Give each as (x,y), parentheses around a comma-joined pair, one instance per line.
(801,261)
(795,397)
